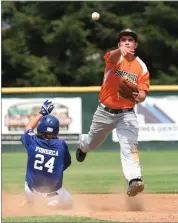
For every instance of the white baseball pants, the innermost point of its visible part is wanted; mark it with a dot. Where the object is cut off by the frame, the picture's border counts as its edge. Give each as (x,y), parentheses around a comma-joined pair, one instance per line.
(63,199)
(127,131)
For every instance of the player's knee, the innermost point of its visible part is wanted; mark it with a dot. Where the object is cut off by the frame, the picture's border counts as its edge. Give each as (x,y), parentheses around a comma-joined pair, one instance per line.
(129,148)
(91,141)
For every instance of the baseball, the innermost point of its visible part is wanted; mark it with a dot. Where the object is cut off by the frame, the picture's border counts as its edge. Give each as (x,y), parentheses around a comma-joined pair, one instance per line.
(95,15)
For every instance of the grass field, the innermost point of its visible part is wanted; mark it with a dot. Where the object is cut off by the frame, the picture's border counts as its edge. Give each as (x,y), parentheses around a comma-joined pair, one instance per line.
(51,219)
(100,173)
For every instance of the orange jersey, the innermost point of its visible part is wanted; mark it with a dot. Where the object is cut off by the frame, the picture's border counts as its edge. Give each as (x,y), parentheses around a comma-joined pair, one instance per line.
(113,74)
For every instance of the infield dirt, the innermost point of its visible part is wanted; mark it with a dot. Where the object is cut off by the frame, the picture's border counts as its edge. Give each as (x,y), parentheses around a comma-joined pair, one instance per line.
(114,207)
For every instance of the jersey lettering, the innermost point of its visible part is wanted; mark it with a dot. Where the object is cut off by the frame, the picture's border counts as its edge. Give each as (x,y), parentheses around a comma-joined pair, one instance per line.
(122,73)
(46,151)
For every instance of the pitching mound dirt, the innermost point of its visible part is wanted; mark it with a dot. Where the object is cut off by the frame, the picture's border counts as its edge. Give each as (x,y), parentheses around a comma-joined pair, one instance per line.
(114,207)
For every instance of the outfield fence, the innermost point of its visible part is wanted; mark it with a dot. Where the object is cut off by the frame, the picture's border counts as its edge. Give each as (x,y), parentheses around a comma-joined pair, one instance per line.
(81,111)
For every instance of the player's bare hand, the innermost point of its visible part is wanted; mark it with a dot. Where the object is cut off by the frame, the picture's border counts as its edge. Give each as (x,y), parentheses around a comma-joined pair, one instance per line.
(125,51)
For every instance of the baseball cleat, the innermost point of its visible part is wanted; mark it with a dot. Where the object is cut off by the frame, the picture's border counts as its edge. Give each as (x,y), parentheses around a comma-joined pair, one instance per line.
(80,156)
(135,186)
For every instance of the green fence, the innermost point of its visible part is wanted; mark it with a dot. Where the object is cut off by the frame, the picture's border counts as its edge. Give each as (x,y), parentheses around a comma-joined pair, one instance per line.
(89,105)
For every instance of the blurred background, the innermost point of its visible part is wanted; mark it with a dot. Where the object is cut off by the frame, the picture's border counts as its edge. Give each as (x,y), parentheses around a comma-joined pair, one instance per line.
(54,50)
(58,44)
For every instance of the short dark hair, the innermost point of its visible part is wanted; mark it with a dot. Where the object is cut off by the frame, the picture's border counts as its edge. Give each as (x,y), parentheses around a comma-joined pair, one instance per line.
(45,135)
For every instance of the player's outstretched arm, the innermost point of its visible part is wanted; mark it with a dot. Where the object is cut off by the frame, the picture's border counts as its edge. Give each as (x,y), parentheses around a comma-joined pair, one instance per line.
(46,109)
(115,55)
(33,122)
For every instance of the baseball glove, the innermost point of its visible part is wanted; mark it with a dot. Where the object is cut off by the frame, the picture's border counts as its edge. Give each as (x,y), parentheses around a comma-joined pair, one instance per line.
(126,90)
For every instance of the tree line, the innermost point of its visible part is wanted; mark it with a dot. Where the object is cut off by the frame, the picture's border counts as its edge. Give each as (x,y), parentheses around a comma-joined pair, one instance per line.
(58,44)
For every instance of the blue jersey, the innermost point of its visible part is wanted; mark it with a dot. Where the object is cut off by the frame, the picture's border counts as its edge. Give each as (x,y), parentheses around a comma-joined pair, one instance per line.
(47,159)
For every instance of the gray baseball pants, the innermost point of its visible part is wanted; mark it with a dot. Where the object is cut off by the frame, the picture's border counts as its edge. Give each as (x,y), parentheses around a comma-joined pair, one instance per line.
(127,131)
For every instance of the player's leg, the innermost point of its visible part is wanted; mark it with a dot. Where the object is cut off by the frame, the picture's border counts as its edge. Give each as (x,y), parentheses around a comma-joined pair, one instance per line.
(102,125)
(127,132)
(63,200)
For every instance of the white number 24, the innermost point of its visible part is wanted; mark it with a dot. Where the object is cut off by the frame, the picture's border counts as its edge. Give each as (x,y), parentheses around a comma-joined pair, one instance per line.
(39,163)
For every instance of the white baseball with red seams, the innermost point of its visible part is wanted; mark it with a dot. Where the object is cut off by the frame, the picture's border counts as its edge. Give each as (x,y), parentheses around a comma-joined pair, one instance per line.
(95,15)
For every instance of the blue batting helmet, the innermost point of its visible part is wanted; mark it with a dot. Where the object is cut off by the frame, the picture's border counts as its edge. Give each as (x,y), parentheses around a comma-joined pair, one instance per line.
(48,124)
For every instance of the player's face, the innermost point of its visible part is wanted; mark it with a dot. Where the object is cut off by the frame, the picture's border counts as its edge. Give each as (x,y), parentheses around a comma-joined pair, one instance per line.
(128,41)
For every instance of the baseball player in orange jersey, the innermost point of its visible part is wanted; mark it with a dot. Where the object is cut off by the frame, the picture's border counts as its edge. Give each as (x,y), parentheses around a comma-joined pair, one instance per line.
(125,83)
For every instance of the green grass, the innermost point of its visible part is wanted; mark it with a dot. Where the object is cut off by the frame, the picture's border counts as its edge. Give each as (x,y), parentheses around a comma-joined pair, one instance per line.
(101,172)
(51,219)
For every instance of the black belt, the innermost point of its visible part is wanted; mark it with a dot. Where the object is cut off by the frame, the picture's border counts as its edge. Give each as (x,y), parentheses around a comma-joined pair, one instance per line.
(116,111)
(47,194)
